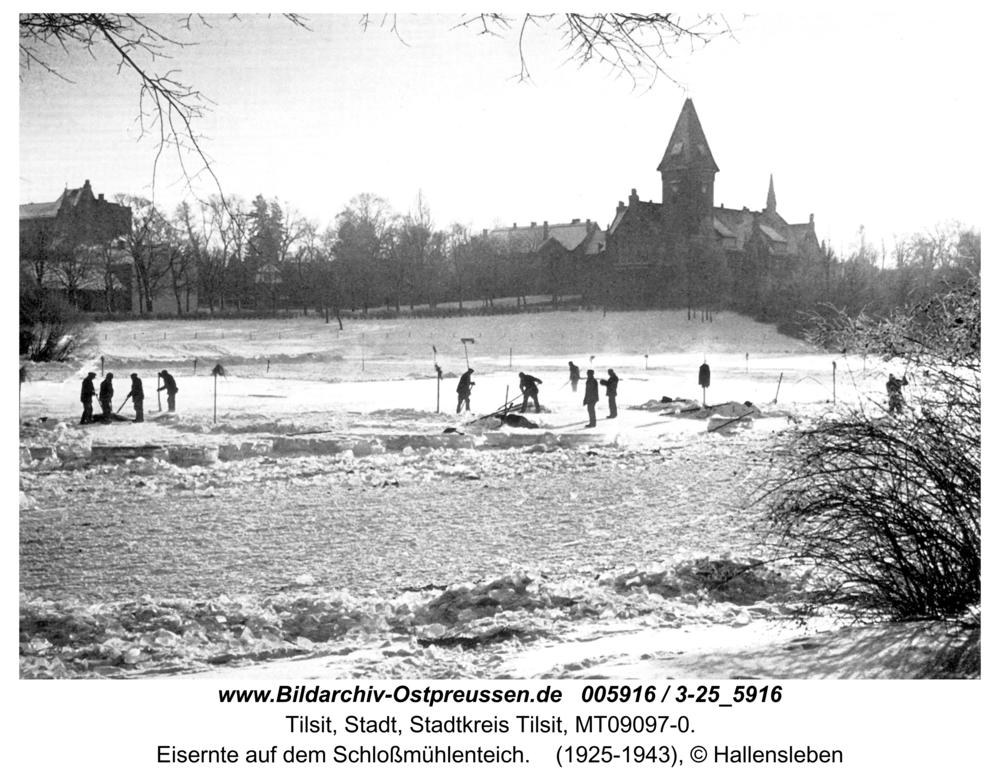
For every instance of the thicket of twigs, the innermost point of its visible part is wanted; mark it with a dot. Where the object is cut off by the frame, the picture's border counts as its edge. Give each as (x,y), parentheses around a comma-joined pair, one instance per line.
(50,329)
(889,505)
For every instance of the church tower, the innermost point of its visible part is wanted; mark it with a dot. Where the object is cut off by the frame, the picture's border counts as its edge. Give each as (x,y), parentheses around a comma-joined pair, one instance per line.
(688,171)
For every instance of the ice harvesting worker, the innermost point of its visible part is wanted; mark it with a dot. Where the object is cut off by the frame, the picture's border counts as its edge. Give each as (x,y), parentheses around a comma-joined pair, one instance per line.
(612,386)
(465,384)
(894,387)
(171,386)
(137,397)
(529,388)
(87,394)
(574,375)
(106,394)
(590,397)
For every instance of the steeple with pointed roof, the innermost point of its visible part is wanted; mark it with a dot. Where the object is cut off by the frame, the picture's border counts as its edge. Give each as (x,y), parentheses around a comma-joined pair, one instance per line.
(688,172)
(772,202)
(688,147)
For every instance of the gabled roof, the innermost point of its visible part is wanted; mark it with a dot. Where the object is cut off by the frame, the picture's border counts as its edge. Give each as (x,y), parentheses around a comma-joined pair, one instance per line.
(723,229)
(688,147)
(642,212)
(737,222)
(596,244)
(47,210)
(773,235)
(529,238)
(51,209)
(803,235)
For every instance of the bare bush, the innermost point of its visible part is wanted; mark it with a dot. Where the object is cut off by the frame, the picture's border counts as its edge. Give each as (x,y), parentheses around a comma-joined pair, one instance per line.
(50,328)
(889,506)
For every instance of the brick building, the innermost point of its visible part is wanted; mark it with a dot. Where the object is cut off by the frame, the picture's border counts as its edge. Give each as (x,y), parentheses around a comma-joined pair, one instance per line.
(555,259)
(74,245)
(687,251)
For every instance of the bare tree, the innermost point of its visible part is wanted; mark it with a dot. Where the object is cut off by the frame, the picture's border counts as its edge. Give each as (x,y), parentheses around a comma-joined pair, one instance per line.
(302,269)
(145,244)
(458,251)
(330,275)
(636,46)
(107,262)
(513,265)
(198,230)
(364,239)
(420,250)
(168,107)
(230,229)
(73,267)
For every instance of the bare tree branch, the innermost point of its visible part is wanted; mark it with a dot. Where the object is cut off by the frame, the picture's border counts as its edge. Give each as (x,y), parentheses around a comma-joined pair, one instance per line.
(637,46)
(167,106)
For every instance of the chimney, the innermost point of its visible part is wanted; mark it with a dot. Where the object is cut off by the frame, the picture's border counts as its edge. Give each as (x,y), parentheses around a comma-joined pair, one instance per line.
(588,224)
(534,224)
(811,216)
(545,230)
(486,232)
(100,197)
(621,208)
(634,198)
(515,225)
(574,221)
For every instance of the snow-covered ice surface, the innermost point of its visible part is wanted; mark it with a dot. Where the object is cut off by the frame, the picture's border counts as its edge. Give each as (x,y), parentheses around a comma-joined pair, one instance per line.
(318,465)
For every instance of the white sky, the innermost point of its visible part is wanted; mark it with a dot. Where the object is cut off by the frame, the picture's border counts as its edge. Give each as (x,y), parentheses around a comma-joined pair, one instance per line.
(876,119)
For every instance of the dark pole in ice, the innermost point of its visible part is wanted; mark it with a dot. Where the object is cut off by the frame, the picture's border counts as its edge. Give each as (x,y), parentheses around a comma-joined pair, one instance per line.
(437,370)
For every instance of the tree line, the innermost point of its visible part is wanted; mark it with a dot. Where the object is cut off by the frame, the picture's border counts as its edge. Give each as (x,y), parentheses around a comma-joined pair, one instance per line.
(230,254)
(224,255)
(870,279)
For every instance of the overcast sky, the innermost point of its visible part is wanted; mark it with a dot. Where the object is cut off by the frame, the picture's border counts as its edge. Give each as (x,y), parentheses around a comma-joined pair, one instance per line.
(876,120)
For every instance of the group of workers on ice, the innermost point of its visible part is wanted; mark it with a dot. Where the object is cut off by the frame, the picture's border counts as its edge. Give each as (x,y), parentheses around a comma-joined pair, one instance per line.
(106,392)
(529,391)
(529,384)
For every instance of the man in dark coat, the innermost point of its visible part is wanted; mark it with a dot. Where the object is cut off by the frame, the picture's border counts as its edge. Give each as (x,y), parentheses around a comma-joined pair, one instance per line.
(105,396)
(87,394)
(894,387)
(612,386)
(529,388)
(590,397)
(574,375)
(171,386)
(465,384)
(137,397)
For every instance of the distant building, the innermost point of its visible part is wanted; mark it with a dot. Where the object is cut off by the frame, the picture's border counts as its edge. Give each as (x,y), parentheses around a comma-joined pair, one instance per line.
(555,259)
(75,244)
(686,250)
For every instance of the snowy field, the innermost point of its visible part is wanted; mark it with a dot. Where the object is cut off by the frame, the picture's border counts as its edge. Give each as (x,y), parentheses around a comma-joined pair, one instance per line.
(286,369)
(320,506)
